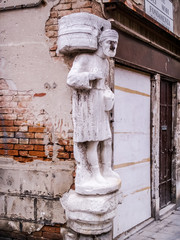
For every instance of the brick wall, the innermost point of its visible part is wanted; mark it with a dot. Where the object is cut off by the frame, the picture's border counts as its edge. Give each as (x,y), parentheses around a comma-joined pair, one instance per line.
(36,160)
(46,233)
(20,137)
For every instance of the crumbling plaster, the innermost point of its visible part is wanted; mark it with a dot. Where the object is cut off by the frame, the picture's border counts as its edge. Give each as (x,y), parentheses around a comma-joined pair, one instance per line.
(26,63)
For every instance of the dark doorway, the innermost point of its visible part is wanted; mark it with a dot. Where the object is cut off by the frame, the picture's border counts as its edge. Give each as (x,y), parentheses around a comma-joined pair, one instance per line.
(165,159)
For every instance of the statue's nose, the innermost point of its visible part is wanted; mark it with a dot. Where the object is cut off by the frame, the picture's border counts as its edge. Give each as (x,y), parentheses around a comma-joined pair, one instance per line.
(112,47)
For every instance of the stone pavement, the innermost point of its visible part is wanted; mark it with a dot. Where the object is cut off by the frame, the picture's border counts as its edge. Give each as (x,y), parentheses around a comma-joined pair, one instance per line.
(166,229)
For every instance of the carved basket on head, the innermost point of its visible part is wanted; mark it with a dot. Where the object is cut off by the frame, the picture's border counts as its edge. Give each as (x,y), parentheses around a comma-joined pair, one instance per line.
(79,32)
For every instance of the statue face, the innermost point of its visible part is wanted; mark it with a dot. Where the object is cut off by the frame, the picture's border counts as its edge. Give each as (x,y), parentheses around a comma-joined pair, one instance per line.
(109,47)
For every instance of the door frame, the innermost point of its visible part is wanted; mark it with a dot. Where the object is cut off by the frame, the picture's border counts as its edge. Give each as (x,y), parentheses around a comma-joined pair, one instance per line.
(155,138)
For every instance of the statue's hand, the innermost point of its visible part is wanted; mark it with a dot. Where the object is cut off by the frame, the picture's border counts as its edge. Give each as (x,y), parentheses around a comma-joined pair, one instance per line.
(95,76)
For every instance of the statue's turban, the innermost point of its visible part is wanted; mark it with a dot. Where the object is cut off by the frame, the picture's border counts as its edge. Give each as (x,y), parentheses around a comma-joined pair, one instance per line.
(109,34)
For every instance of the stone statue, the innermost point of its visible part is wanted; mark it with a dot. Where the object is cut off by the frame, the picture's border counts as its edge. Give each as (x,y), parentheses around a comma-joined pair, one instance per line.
(92,101)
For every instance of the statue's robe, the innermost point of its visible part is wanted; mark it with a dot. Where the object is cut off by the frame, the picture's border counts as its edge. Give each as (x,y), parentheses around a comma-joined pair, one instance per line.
(90,118)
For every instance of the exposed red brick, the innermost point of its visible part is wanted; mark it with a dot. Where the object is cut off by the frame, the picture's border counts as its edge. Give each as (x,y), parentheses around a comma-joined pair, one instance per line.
(24,141)
(69,148)
(67,12)
(51,229)
(8,140)
(23,147)
(9,152)
(63,155)
(62,7)
(36,129)
(24,135)
(53,236)
(23,159)
(53,14)
(6,146)
(39,94)
(82,4)
(72,155)
(19,122)
(52,28)
(6,122)
(89,10)
(61,149)
(23,153)
(37,234)
(6,134)
(52,34)
(37,153)
(9,129)
(63,142)
(39,135)
(39,147)
(46,159)
(36,141)
(52,21)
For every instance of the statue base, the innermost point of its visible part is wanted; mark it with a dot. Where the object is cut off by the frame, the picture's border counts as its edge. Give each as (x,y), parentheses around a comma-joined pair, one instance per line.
(69,234)
(92,187)
(90,215)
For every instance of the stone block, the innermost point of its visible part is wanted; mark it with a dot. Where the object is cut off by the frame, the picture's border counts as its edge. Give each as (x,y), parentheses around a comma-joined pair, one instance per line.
(37,178)
(62,182)
(36,182)
(22,208)
(7,225)
(2,206)
(50,210)
(31,227)
(10,182)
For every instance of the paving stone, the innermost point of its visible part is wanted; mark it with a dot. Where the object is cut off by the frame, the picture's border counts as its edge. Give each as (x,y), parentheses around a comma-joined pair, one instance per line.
(166,229)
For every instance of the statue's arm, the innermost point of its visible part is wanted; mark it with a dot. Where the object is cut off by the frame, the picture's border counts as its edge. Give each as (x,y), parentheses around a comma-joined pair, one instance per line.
(79,77)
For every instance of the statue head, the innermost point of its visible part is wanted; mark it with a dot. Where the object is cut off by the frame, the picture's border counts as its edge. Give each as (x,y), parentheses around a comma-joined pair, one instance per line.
(108,41)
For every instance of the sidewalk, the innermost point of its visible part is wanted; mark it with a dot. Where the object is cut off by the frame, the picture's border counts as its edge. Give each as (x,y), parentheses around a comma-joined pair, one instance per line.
(166,229)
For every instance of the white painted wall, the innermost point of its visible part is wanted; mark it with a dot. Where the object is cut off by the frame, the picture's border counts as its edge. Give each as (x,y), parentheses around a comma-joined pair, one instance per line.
(132,147)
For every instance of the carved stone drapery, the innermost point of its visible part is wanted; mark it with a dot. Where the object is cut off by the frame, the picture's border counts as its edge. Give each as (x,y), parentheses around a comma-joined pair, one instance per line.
(90,209)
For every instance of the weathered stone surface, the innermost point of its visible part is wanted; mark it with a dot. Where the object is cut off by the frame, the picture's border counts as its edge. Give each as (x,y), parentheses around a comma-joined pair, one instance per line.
(7,225)
(50,210)
(2,205)
(20,207)
(90,214)
(37,178)
(31,227)
(8,4)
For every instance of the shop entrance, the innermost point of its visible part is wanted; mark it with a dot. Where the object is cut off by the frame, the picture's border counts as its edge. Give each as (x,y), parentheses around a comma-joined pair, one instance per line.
(165,158)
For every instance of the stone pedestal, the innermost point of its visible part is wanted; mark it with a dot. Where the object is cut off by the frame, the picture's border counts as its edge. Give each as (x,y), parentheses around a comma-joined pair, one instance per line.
(90,215)
(71,235)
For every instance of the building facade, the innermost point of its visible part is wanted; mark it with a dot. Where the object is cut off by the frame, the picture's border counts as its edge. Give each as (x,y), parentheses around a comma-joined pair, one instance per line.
(37,162)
